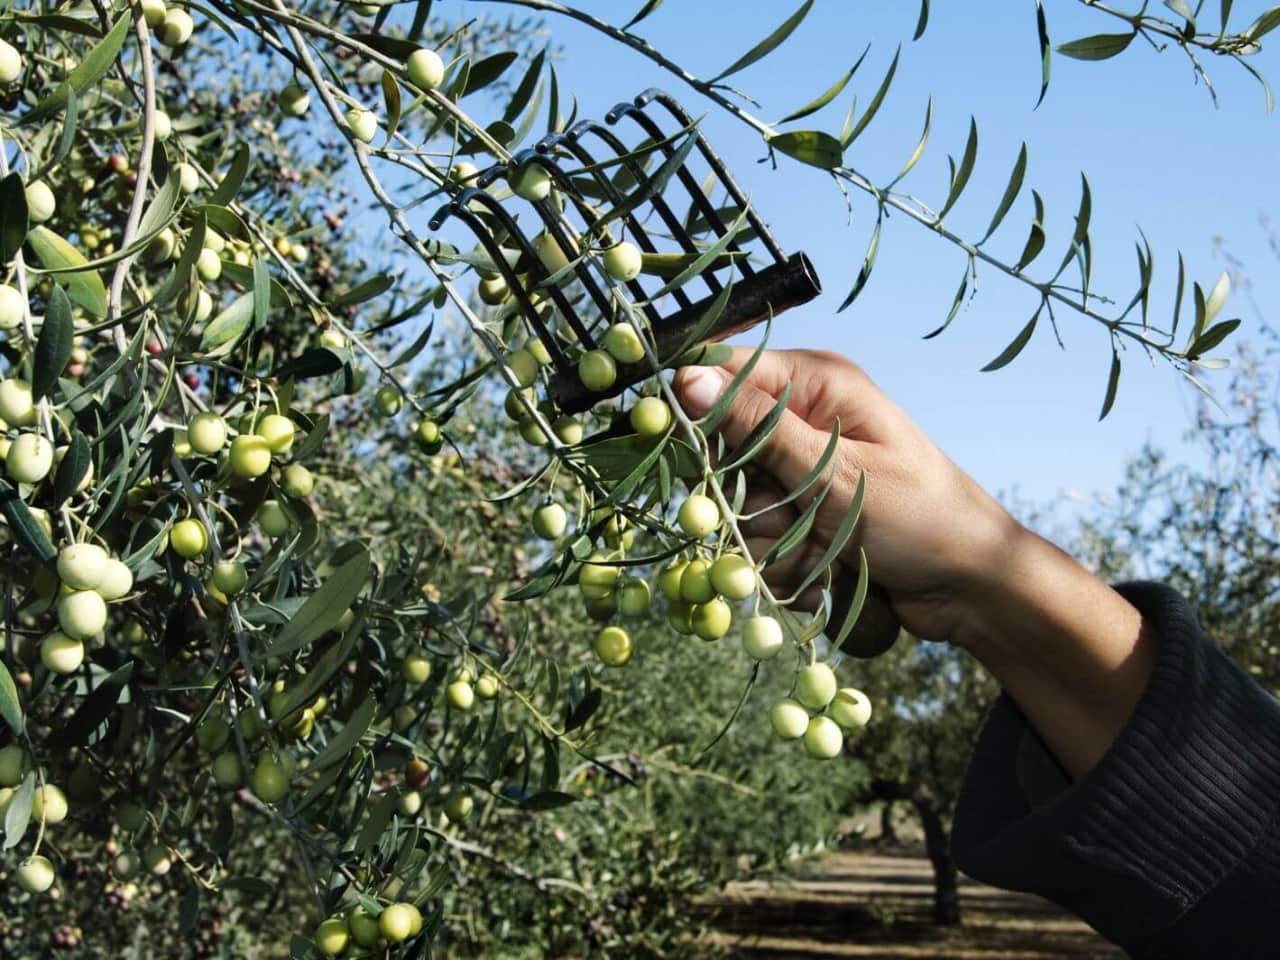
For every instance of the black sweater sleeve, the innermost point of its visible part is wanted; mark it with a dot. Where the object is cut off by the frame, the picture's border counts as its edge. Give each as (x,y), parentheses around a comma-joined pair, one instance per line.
(1170,846)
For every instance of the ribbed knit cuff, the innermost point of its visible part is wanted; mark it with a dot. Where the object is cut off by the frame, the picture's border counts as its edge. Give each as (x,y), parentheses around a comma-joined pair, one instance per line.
(1186,791)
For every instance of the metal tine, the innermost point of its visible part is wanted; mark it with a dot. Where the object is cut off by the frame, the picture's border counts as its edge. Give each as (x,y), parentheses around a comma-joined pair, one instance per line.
(658,202)
(690,184)
(460,207)
(570,143)
(539,154)
(552,221)
(717,165)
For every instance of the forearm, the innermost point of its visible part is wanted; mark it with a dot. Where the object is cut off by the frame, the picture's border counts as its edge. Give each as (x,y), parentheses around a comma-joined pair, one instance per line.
(1071,652)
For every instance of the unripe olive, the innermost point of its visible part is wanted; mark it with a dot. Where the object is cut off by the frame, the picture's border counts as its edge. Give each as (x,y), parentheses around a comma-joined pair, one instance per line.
(695,582)
(331,936)
(297,481)
(49,804)
(229,576)
(698,516)
(597,370)
(188,178)
(10,63)
(429,436)
(550,521)
(270,783)
(711,620)
(851,708)
(60,653)
(35,874)
(81,566)
(189,538)
(733,577)
(487,687)
(397,922)
(362,123)
(30,458)
(597,580)
(227,772)
(117,580)
(823,738)
(41,204)
(17,405)
(553,256)
(650,417)
(163,125)
(82,614)
(213,734)
(789,719)
(364,928)
(614,646)
(157,859)
(416,668)
(208,265)
(278,431)
(153,12)
(458,806)
(523,367)
(425,69)
(461,695)
(762,637)
(250,456)
(680,616)
(815,685)
(13,765)
(669,578)
(633,596)
(274,519)
(293,99)
(568,430)
(12,304)
(531,182)
(176,28)
(622,261)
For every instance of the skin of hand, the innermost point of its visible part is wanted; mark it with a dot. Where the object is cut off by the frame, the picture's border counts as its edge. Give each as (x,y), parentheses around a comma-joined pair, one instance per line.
(1071,651)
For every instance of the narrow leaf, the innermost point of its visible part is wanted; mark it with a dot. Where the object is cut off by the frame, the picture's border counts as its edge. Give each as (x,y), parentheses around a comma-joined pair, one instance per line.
(23,525)
(1100,46)
(1264,24)
(88,72)
(1035,240)
(647,9)
(84,286)
(10,705)
(1015,347)
(961,178)
(1211,338)
(1042,29)
(1010,192)
(768,44)
(923,22)
(13,216)
(18,815)
(813,106)
(1113,381)
(878,99)
(919,150)
(868,264)
(1217,297)
(54,345)
(813,147)
(325,607)
(73,469)
(488,70)
(229,186)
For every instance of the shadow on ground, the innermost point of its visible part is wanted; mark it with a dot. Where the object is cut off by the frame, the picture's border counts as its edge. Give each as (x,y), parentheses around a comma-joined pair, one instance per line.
(878,905)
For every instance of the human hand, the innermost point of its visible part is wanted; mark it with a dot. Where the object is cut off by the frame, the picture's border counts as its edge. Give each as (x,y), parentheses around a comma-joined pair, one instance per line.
(931,534)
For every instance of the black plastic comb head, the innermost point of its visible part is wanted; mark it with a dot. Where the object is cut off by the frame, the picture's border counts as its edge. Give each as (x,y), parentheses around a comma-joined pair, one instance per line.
(712,268)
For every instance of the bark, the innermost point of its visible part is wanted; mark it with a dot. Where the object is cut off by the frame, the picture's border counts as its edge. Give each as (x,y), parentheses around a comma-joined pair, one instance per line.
(888,833)
(937,839)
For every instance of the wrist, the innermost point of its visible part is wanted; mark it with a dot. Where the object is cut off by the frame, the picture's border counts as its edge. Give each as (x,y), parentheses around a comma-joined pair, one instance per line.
(1072,652)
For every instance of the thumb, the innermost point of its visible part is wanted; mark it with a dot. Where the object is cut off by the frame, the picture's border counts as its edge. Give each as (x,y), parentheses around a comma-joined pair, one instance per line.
(792,448)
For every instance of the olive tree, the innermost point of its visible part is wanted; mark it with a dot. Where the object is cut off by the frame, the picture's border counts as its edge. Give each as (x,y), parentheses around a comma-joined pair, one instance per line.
(272,611)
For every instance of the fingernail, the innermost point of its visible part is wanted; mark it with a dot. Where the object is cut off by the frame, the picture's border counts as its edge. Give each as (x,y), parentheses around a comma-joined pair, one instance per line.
(700,388)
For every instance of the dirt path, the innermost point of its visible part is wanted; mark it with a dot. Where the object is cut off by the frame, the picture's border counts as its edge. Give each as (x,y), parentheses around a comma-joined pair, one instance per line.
(871,905)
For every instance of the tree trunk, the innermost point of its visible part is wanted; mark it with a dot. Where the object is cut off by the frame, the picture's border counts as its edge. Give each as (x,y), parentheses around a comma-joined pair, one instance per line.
(888,833)
(946,895)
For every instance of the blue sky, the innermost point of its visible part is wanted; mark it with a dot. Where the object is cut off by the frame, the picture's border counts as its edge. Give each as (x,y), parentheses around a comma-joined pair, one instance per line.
(1157,155)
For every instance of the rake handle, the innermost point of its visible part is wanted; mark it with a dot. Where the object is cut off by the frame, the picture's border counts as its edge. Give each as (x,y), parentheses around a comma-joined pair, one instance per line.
(769,291)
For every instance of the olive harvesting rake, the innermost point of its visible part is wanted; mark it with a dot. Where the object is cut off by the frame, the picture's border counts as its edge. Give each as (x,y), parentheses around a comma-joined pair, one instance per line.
(709,277)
